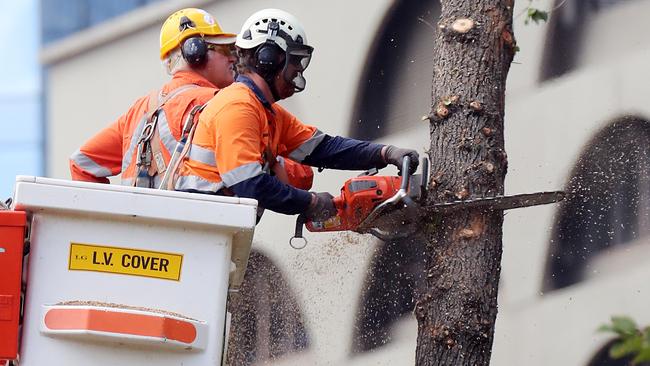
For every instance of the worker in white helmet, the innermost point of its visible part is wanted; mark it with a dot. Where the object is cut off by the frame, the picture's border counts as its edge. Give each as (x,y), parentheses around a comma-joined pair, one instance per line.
(243,129)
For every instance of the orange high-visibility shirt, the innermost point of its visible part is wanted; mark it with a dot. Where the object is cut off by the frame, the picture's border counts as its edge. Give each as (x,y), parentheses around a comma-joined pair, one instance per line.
(232,136)
(113,150)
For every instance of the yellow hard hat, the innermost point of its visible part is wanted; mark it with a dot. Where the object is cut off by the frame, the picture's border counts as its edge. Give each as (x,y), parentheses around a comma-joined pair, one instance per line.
(187,23)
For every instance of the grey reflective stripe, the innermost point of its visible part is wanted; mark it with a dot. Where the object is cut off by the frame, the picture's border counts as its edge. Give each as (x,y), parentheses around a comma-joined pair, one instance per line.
(203,155)
(166,137)
(241,173)
(195,183)
(307,147)
(128,155)
(87,164)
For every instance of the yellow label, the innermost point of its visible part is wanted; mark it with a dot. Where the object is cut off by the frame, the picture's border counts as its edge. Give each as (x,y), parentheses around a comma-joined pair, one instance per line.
(136,262)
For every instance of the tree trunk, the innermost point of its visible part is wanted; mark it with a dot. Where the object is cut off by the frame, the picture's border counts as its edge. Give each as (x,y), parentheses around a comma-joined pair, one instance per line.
(456,312)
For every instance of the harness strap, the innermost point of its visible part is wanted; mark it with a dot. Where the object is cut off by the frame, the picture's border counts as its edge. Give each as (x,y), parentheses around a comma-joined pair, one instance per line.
(170,178)
(150,159)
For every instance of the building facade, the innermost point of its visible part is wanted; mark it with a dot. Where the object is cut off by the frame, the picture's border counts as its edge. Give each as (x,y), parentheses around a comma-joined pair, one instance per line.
(577,118)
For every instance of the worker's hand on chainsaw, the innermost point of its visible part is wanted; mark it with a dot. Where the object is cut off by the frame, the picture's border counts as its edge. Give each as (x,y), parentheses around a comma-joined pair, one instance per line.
(395,155)
(321,207)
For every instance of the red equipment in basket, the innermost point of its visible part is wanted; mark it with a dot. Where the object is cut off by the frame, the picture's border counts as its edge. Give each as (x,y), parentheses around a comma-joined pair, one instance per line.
(12,237)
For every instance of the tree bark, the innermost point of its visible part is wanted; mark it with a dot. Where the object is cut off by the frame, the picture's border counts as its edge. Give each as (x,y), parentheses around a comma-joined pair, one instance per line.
(456,313)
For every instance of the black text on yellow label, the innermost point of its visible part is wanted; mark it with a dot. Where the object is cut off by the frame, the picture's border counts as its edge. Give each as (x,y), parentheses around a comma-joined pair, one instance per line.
(136,262)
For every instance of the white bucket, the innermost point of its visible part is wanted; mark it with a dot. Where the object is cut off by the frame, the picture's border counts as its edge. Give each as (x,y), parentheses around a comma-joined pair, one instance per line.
(129,276)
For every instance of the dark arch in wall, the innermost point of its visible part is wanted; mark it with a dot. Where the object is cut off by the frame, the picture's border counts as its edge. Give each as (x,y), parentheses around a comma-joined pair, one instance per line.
(565,35)
(267,322)
(608,201)
(395,88)
(390,287)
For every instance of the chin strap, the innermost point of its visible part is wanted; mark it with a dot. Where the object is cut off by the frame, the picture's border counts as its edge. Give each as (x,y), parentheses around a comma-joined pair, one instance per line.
(274,90)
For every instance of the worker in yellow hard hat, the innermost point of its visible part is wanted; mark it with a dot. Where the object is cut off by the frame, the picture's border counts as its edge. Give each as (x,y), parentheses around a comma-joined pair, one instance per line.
(200,57)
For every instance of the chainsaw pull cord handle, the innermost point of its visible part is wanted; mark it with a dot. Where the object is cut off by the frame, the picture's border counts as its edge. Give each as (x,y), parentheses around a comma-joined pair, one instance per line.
(293,242)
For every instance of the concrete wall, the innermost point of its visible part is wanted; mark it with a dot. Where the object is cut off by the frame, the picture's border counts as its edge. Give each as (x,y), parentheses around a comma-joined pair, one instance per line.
(548,124)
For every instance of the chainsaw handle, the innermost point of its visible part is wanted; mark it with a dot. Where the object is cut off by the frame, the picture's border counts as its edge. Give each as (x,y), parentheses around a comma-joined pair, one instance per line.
(406,176)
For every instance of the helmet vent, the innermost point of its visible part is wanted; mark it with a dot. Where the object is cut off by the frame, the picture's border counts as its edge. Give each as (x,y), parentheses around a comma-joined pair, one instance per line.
(186,23)
(290,27)
(247,35)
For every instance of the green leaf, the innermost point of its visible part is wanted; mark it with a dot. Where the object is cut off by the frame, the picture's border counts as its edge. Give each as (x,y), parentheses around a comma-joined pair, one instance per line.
(606,328)
(645,334)
(624,325)
(625,347)
(536,15)
(644,355)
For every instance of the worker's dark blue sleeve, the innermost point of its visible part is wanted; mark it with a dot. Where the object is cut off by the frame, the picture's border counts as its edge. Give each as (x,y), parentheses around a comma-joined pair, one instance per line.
(274,195)
(347,154)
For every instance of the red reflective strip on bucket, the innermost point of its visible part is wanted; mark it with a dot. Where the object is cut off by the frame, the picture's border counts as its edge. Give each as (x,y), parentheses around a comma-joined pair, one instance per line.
(120,323)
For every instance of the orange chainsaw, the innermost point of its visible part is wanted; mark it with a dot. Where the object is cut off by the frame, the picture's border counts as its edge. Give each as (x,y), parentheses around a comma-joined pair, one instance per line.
(387,206)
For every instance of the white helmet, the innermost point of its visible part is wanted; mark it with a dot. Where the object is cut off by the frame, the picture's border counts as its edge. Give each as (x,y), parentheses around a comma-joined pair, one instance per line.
(276,27)
(255,30)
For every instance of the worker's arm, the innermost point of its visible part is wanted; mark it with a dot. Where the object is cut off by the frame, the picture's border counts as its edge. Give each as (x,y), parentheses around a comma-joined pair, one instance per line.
(100,157)
(238,135)
(309,146)
(312,147)
(336,152)
(273,194)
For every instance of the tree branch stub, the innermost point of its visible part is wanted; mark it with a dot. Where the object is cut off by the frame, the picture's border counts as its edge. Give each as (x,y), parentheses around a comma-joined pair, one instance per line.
(487,131)
(476,106)
(462,25)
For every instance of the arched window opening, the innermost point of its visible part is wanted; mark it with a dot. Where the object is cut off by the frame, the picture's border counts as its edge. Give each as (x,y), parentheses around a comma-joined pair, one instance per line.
(395,88)
(568,42)
(608,202)
(393,280)
(266,319)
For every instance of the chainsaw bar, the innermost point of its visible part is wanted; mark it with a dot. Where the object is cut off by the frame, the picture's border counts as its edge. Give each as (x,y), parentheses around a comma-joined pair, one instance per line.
(498,202)
(399,220)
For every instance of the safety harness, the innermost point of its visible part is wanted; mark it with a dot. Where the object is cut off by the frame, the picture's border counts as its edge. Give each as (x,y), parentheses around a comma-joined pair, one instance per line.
(150,160)
(182,149)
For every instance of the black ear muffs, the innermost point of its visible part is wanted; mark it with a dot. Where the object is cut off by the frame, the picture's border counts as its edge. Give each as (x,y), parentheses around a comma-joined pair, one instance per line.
(269,58)
(194,51)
